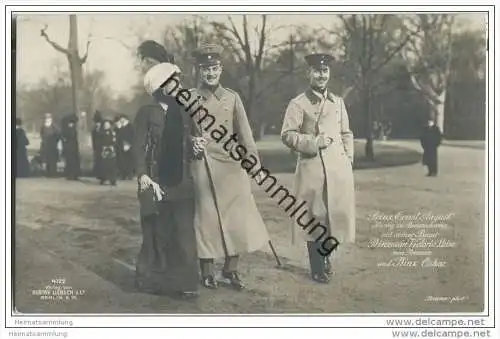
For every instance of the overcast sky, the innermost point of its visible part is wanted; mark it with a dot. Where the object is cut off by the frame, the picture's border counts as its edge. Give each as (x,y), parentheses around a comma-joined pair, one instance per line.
(36,59)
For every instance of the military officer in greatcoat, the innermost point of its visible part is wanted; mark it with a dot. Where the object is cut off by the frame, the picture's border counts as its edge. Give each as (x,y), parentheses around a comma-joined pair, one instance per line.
(227,220)
(316,126)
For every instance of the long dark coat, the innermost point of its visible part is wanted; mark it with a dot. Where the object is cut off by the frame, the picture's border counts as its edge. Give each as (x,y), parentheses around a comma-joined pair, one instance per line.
(430,140)
(96,137)
(167,260)
(50,137)
(125,137)
(108,155)
(22,163)
(71,152)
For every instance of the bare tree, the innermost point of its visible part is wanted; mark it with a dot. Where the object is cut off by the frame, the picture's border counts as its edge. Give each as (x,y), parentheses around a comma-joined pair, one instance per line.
(252,59)
(250,46)
(428,58)
(182,39)
(75,61)
(370,42)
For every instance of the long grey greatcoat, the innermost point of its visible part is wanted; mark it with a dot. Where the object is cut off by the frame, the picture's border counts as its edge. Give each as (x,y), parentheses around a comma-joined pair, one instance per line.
(241,228)
(322,173)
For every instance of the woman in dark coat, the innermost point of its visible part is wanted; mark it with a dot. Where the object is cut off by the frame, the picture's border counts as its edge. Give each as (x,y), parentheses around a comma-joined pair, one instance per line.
(108,155)
(49,151)
(22,163)
(163,151)
(96,145)
(71,151)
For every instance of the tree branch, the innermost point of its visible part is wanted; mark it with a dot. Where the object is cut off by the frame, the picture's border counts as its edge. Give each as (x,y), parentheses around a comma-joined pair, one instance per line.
(130,48)
(235,33)
(54,44)
(85,56)
(395,51)
(262,41)
(287,73)
(347,91)
(246,48)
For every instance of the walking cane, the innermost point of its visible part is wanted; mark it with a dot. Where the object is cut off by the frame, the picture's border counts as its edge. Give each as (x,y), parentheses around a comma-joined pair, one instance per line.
(275,254)
(212,188)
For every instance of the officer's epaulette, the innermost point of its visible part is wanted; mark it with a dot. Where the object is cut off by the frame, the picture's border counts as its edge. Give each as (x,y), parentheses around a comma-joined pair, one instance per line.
(232,91)
(333,97)
(300,96)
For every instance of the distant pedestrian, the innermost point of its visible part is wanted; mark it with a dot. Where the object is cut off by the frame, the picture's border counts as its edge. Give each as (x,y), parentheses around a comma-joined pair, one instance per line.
(430,140)
(22,163)
(108,139)
(125,137)
(316,126)
(97,145)
(50,136)
(71,151)
(117,127)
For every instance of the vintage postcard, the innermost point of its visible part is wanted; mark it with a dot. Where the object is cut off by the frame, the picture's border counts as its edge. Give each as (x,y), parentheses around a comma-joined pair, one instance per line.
(268,162)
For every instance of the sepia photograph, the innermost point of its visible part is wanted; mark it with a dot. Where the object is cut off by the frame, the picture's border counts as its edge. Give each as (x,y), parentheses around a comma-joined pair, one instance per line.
(265,163)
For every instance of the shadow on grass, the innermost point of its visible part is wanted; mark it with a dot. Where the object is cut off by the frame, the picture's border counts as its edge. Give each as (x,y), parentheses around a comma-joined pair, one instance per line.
(281,161)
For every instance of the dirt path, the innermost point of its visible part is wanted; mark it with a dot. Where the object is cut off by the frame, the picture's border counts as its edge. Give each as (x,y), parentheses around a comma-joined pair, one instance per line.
(89,235)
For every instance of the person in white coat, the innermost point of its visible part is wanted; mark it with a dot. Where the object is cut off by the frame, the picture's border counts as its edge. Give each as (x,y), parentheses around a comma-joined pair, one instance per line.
(316,126)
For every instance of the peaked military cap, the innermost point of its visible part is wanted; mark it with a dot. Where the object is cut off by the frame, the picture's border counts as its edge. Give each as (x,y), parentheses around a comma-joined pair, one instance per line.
(319,59)
(208,54)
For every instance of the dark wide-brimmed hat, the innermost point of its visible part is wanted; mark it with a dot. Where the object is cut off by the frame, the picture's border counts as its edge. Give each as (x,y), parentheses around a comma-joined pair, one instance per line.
(207,54)
(107,119)
(70,118)
(152,49)
(97,116)
(319,59)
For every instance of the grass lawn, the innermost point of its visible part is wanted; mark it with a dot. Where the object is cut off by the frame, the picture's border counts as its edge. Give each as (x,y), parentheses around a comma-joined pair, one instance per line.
(90,235)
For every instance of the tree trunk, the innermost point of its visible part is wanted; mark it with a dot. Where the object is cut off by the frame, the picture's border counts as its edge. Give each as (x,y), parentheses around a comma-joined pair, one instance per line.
(253,118)
(75,66)
(438,109)
(367,107)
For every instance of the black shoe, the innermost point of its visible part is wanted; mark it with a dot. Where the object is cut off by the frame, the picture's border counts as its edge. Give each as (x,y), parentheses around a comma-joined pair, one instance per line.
(209,282)
(113,183)
(233,279)
(322,278)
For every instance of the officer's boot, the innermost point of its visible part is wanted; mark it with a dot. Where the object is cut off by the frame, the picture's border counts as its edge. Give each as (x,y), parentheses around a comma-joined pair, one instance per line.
(317,263)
